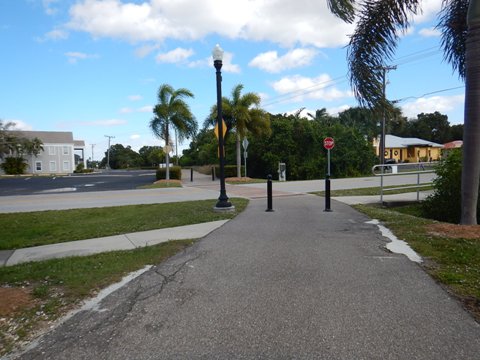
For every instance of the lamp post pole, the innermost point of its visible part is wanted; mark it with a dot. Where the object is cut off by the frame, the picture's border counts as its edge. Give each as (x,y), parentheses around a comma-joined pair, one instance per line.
(222,203)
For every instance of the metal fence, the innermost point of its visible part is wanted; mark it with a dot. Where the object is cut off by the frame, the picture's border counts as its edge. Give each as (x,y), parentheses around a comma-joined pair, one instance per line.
(404,169)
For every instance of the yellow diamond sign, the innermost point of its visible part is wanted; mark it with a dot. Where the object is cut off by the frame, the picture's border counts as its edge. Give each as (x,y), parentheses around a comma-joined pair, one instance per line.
(224,128)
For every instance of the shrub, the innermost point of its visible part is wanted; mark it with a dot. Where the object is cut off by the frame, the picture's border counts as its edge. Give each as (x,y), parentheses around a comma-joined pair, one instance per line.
(14,165)
(175,173)
(230,171)
(445,203)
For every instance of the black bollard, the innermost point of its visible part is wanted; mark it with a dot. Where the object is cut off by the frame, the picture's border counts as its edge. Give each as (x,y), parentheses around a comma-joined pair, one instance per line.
(191,174)
(327,193)
(269,193)
(213,173)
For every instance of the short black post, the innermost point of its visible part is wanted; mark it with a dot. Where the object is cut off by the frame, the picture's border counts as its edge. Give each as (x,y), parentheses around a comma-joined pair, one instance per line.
(191,174)
(327,193)
(269,193)
(213,173)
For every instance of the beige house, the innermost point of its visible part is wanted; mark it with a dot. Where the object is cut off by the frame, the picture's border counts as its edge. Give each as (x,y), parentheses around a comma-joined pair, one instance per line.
(409,149)
(61,153)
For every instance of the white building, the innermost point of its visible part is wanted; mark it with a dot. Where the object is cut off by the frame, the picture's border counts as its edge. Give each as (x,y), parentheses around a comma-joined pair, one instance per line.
(60,155)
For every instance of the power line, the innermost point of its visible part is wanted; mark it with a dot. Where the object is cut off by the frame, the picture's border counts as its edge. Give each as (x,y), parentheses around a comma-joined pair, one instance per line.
(429,93)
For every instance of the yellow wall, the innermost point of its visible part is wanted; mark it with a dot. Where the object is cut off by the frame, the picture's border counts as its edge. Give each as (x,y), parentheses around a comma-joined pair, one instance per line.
(413,154)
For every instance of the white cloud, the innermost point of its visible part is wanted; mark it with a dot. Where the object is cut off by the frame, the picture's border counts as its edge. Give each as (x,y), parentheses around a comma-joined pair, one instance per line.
(135,136)
(227,66)
(134,97)
(126,110)
(54,35)
(74,56)
(175,56)
(48,7)
(300,87)
(334,111)
(145,50)
(441,104)
(145,109)
(429,32)
(19,124)
(430,9)
(279,21)
(271,62)
(110,122)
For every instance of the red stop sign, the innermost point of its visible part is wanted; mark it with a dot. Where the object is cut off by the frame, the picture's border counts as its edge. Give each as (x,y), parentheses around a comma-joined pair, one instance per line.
(328,143)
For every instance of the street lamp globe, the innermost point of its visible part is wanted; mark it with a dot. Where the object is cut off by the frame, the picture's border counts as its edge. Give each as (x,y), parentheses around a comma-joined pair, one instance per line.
(217,53)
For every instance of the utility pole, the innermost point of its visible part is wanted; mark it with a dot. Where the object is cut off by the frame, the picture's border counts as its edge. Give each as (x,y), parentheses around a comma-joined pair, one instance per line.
(384,70)
(93,145)
(108,151)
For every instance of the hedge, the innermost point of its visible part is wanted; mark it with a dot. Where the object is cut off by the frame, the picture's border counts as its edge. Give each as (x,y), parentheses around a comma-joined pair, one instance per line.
(175,173)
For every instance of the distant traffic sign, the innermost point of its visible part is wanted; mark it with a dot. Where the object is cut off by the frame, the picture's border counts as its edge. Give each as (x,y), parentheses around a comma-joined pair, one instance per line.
(328,143)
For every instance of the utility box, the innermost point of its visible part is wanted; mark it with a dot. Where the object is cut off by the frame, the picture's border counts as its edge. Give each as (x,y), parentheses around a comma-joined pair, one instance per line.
(282,172)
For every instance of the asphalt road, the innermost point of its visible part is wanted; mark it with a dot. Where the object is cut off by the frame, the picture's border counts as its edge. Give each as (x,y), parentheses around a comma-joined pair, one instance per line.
(297,283)
(112,180)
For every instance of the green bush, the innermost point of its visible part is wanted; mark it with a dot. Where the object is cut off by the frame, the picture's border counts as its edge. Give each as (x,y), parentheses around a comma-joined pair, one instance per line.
(14,165)
(445,203)
(230,171)
(175,173)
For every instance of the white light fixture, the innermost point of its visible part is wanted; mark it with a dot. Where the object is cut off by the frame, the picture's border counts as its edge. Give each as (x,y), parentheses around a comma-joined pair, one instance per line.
(217,53)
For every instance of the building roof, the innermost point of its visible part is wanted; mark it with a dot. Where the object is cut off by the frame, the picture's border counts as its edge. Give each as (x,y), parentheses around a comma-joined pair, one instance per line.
(392,141)
(453,144)
(49,137)
(79,143)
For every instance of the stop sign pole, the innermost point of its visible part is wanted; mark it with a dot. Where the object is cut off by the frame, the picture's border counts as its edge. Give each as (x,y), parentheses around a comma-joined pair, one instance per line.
(328,143)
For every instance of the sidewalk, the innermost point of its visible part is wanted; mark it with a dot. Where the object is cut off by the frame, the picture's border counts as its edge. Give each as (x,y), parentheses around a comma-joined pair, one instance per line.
(296,283)
(148,238)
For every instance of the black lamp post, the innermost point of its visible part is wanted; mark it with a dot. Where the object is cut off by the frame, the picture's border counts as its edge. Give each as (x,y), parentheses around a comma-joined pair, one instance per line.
(222,203)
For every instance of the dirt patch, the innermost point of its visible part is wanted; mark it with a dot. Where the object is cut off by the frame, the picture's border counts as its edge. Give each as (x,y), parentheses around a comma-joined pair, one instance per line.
(238,179)
(14,299)
(172,181)
(454,231)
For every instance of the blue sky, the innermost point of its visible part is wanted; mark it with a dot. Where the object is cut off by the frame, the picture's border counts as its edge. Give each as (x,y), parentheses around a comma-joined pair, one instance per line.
(93,67)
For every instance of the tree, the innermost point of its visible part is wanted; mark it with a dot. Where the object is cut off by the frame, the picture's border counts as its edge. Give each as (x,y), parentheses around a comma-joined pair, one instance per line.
(151,155)
(122,157)
(373,43)
(243,114)
(172,111)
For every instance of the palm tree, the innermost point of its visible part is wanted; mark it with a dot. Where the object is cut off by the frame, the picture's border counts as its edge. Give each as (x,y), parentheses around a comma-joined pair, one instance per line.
(172,111)
(373,43)
(242,113)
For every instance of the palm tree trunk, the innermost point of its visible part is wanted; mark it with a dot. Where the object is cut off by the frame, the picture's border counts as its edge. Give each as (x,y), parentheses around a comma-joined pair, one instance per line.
(471,130)
(167,155)
(239,156)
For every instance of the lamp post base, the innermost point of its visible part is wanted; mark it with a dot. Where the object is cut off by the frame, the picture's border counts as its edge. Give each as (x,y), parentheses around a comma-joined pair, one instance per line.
(229,208)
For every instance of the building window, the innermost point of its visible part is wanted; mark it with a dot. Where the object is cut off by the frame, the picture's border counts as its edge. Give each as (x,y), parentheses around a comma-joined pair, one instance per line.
(66,166)
(53,166)
(65,150)
(51,150)
(38,165)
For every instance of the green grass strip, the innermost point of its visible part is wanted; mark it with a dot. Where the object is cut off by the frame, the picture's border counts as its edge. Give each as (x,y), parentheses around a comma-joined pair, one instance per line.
(455,262)
(58,283)
(21,230)
(373,191)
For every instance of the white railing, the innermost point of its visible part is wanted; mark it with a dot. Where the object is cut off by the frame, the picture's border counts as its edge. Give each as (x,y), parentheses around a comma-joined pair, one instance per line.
(404,169)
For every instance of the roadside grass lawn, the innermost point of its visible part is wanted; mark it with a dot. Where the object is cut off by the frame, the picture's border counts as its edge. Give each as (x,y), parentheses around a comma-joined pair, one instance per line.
(35,294)
(374,191)
(244,180)
(21,230)
(451,253)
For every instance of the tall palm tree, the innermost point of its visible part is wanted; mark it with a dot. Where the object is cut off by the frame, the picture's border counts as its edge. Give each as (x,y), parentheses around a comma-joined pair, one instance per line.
(243,114)
(172,111)
(378,29)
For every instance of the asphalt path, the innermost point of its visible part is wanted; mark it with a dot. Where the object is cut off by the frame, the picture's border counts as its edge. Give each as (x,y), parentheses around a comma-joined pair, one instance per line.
(297,283)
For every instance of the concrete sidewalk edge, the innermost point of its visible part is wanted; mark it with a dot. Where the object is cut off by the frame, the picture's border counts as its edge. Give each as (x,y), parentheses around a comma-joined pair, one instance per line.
(109,243)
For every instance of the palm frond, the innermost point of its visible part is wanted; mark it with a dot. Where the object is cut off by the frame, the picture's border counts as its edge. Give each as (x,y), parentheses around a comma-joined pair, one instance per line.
(453,25)
(373,44)
(344,9)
